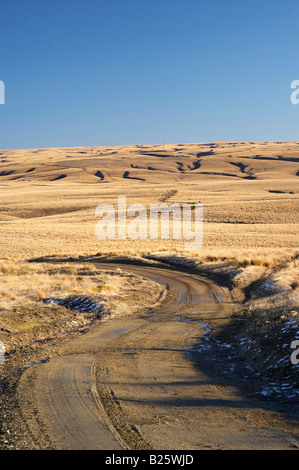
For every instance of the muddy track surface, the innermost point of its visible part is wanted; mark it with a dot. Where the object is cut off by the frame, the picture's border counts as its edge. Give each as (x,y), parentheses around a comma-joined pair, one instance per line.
(131,383)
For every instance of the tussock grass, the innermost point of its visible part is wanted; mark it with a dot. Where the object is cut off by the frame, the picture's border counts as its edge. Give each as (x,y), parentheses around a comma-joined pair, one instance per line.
(249,193)
(254,208)
(27,284)
(43,300)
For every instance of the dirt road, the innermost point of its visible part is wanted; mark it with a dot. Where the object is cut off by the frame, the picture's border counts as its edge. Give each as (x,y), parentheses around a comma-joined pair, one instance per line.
(131,383)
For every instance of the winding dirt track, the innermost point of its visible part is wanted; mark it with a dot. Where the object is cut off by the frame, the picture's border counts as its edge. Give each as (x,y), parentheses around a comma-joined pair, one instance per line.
(130,384)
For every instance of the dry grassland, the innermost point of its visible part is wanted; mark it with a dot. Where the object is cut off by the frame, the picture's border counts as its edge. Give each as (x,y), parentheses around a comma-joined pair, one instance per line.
(40,301)
(48,198)
(249,193)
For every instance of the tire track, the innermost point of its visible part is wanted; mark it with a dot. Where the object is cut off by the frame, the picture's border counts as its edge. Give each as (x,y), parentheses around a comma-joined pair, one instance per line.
(129,384)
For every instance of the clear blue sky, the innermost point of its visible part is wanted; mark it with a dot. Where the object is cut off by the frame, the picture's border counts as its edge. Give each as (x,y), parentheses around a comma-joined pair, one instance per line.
(119,72)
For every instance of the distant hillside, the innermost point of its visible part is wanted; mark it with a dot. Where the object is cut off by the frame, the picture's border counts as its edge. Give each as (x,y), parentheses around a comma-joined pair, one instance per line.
(142,163)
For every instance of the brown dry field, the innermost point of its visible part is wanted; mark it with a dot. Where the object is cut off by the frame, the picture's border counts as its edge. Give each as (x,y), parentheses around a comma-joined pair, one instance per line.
(49,197)
(249,193)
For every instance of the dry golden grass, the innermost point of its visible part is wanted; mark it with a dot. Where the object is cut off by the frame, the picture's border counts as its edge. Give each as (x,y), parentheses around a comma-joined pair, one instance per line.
(249,193)
(28,284)
(48,198)
(42,300)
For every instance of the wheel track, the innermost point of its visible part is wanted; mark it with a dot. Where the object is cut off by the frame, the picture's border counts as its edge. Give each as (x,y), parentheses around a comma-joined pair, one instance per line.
(121,398)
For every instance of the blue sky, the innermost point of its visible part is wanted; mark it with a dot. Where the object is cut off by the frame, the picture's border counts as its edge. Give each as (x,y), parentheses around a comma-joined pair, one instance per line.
(120,72)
